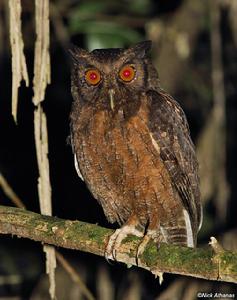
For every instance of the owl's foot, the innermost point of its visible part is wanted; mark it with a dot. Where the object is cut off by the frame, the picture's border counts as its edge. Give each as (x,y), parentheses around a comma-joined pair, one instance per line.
(150,235)
(117,237)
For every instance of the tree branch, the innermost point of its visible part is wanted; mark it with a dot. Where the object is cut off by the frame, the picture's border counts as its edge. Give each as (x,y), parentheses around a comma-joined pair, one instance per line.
(201,263)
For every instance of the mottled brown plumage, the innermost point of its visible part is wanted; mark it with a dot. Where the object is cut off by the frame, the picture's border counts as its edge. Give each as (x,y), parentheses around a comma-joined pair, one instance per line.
(132,146)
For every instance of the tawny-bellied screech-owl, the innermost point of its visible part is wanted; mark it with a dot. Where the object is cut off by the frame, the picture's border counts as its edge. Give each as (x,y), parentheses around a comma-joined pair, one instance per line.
(132,147)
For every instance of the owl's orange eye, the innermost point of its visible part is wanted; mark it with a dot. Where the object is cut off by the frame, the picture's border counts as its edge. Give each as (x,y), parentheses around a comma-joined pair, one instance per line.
(127,73)
(92,76)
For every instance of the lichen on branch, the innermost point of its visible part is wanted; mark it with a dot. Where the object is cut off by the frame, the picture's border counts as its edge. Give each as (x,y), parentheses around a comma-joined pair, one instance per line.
(198,262)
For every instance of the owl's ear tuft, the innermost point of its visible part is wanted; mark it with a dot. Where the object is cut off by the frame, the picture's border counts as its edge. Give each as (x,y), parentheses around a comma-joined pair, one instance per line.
(141,49)
(77,53)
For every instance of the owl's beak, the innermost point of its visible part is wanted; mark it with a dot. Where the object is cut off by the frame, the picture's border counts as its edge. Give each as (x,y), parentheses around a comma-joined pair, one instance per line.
(111,98)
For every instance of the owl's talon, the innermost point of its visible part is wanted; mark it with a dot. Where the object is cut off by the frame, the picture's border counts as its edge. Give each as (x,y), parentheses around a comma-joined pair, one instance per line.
(150,235)
(109,247)
(116,239)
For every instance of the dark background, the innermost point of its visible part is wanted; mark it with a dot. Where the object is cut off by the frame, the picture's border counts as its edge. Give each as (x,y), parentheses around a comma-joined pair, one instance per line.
(181,35)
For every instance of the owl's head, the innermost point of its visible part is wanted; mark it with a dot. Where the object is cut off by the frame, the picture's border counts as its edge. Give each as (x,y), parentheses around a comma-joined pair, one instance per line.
(111,78)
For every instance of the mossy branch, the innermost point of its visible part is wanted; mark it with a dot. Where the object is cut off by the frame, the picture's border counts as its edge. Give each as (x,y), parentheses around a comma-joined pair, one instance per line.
(200,263)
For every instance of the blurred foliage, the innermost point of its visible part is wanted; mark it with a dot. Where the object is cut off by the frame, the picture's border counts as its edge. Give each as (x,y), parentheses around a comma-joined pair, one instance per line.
(88,9)
(101,34)
(89,18)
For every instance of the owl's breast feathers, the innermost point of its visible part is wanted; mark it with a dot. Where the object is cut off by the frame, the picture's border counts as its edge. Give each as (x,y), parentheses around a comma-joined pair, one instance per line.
(144,165)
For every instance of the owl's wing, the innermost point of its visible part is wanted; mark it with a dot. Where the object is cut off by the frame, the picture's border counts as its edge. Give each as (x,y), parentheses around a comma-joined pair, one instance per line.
(169,128)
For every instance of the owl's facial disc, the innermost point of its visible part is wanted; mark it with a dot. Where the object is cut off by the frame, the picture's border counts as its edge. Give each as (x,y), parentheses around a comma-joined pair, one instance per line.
(126,75)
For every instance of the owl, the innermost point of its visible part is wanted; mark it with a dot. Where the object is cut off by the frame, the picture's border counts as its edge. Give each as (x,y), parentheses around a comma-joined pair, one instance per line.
(132,147)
